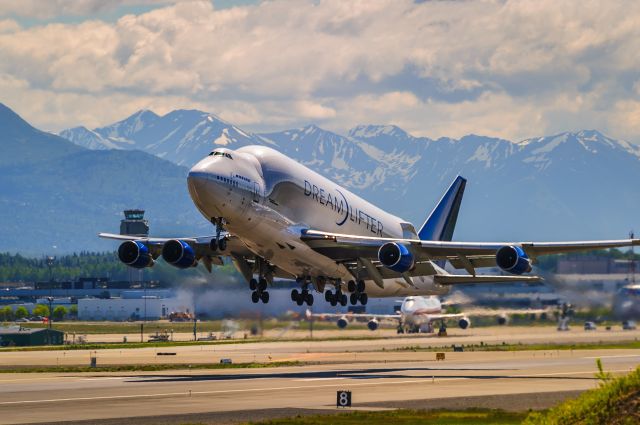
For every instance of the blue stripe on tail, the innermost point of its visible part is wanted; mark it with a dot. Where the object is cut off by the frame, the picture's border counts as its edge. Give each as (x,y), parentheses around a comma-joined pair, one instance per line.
(442,220)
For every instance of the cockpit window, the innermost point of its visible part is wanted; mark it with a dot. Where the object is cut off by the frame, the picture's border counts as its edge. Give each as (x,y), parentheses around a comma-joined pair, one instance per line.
(218,153)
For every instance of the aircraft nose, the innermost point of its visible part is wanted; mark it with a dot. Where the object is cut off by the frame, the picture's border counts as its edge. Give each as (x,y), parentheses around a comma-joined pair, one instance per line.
(199,180)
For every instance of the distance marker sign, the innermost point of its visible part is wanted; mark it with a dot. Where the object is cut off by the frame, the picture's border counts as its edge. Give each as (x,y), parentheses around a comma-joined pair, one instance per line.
(343,399)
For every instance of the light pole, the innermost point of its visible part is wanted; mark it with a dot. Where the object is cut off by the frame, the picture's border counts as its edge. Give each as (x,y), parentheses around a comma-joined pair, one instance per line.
(50,299)
(50,261)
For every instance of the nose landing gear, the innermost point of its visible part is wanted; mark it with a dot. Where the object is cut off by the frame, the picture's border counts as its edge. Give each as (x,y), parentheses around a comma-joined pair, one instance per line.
(218,242)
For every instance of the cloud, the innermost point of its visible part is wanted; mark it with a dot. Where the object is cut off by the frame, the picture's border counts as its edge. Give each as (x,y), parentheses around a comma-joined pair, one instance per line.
(504,68)
(45,9)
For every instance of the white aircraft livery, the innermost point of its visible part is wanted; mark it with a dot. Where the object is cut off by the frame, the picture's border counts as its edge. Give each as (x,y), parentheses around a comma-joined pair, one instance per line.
(418,314)
(275,217)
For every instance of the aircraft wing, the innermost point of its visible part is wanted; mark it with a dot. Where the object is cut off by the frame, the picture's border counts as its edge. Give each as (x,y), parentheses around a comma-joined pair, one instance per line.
(462,255)
(200,243)
(505,312)
(241,256)
(309,314)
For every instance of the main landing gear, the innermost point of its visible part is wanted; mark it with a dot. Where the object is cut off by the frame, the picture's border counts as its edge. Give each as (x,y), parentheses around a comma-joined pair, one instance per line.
(218,242)
(259,288)
(336,297)
(303,296)
(357,292)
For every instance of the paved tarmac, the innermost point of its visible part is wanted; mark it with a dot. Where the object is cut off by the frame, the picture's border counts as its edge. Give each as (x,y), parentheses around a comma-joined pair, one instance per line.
(516,380)
(303,349)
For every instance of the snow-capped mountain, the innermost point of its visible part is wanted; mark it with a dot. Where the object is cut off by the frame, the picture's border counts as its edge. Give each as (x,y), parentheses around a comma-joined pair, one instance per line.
(181,136)
(540,188)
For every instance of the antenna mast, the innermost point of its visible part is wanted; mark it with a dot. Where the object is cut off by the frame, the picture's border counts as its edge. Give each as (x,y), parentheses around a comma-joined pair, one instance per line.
(632,262)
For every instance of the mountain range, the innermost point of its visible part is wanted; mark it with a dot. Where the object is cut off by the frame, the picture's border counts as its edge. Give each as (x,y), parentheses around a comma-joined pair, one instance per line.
(60,190)
(570,185)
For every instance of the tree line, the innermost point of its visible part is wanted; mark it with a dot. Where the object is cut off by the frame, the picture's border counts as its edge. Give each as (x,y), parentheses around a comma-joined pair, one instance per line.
(17,268)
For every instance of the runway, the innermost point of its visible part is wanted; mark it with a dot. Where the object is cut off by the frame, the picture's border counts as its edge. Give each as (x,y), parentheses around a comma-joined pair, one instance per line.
(519,380)
(305,350)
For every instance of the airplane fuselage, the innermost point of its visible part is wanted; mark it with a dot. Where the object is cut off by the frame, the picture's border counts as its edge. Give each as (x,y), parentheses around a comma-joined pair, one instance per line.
(416,311)
(267,198)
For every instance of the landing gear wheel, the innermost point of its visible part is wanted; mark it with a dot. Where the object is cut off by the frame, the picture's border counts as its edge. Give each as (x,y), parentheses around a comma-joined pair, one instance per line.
(309,300)
(333,301)
(361,286)
(213,245)
(255,297)
(353,298)
(363,299)
(351,286)
(328,296)
(300,300)
(253,284)
(222,244)
(343,300)
(294,295)
(264,297)
(262,284)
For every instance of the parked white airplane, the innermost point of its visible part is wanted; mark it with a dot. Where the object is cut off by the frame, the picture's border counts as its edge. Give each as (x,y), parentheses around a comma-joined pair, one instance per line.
(418,314)
(275,217)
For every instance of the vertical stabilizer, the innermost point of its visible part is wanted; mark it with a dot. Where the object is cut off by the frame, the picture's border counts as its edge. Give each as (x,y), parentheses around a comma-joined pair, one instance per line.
(442,220)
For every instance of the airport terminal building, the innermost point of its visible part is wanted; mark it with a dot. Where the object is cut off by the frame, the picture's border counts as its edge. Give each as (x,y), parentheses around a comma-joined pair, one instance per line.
(119,309)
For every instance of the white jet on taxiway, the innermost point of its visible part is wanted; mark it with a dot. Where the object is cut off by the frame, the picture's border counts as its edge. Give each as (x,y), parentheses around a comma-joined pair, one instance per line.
(275,217)
(418,314)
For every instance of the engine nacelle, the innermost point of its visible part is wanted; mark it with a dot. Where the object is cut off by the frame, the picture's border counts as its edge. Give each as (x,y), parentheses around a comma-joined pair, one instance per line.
(464,323)
(342,322)
(502,320)
(135,254)
(179,254)
(513,259)
(396,257)
(372,324)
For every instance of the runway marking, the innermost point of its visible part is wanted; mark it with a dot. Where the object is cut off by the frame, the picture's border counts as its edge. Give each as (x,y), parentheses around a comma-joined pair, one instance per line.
(36,378)
(186,393)
(246,390)
(612,357)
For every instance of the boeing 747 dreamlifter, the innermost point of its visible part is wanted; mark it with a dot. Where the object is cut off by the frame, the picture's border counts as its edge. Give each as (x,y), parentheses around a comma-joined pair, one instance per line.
(275,217)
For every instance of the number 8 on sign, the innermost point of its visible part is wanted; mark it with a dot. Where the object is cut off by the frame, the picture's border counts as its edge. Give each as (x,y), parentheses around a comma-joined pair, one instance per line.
(344,399)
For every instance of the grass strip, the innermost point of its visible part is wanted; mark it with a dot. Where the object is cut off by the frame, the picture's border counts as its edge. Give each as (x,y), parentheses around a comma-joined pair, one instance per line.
(448,347)
(144,367)
(405,417)
(530,347)
(616,401)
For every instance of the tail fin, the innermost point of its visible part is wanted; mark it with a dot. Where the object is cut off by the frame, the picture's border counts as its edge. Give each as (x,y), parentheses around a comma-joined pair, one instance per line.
(442,220)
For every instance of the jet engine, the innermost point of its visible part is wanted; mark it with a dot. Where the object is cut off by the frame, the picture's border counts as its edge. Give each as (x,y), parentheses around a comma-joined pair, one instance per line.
(372,324)
(135,254)
(342,322)
(513,259)
(396,257)
(464,323)
(502,319)
(179,254)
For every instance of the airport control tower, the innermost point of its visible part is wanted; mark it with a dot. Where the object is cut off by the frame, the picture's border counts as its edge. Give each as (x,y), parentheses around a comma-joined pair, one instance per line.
(134,223)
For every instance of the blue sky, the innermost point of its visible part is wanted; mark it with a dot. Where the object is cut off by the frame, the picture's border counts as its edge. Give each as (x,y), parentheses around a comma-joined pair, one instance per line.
(498,68)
